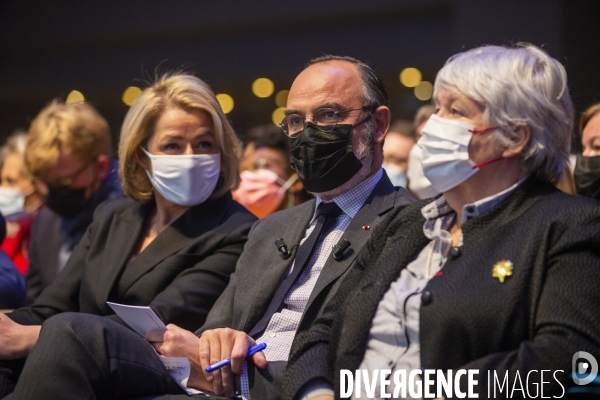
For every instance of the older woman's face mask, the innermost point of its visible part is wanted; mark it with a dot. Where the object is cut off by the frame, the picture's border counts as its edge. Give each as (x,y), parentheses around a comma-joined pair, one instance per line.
(445,146)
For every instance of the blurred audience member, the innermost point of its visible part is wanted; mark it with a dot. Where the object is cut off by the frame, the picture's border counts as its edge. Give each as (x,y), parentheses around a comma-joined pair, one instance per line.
(268,182)
(12,283)
(587,166)
(69,149)
(418,184)
(398,142)
(21,197)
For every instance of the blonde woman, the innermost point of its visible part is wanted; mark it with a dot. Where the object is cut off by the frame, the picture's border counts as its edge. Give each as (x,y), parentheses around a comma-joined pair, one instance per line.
(173,243)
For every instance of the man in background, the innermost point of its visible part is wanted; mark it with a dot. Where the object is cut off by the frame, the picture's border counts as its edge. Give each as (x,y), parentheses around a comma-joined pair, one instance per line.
(69,149)
(398,142)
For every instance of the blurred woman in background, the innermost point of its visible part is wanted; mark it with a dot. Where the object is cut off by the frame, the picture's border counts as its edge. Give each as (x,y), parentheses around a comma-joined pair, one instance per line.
(268,182)
(587,166)
(21,196)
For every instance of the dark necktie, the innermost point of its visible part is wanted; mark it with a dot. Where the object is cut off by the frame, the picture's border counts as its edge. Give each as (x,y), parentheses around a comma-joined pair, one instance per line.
(326,215)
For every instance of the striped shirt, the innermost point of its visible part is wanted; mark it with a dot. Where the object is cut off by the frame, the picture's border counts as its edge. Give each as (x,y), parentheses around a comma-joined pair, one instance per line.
(281,330)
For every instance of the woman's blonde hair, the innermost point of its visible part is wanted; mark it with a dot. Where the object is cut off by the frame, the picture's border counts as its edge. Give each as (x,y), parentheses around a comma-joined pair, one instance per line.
(173,90)
(76,126)
(587,115)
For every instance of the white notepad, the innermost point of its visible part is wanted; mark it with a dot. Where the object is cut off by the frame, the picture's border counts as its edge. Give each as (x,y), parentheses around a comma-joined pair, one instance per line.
(144,319)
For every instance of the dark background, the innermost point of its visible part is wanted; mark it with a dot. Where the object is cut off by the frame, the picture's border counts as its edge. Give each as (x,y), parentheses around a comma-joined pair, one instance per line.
(48,49)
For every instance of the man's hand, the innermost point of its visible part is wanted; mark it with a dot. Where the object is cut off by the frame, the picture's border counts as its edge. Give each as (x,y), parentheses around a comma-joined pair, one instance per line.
(16,341)
(217,345)
(177,342)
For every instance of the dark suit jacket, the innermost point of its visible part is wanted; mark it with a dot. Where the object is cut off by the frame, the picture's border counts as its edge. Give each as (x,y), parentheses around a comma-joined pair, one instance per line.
(43,253)
(50,232)
(261,267)
(537,319)
(180,274)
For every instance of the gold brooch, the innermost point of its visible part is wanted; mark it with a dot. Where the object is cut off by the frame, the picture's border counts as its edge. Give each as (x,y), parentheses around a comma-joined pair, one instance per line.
(502,269)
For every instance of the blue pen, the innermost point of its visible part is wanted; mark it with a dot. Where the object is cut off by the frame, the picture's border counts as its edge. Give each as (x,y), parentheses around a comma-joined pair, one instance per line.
(252,350)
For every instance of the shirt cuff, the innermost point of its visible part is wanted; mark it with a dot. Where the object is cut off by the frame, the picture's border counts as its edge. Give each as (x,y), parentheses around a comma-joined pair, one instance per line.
(314,388)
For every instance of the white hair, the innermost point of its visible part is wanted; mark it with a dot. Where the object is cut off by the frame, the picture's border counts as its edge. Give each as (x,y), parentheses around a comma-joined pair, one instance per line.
(518,86)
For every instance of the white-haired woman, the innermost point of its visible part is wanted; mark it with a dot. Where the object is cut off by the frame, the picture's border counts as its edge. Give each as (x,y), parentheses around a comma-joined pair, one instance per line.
(499,274)
(171,245)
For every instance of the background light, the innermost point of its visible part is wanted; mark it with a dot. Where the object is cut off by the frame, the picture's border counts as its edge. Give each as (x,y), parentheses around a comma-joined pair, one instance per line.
(75,97)
(130,94)
(281,98)
(226,102)
(410,77)
(263,87)
(424,90)
(278,115)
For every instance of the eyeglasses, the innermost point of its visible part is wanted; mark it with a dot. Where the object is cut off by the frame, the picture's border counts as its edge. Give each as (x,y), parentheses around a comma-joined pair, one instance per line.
(68,180)
(325,118)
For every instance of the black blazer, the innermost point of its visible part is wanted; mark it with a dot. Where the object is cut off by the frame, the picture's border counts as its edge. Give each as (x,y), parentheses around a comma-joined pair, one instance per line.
(537,319)
(261,268)
(50,233)
(180,274)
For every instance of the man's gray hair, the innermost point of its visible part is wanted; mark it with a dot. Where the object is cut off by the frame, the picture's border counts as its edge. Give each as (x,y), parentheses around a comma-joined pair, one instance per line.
(374,93)
(518,86)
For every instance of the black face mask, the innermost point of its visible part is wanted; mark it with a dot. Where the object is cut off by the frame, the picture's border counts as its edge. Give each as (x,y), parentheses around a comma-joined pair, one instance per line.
(324,160)
(65,201)
(587,176)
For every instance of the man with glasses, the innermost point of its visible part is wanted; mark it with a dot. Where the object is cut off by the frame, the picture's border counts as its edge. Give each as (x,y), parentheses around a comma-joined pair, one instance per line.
(336,120)
(69,149)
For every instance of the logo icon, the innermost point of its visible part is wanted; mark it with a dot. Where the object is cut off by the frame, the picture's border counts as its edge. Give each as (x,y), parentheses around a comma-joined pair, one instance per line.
(585,368)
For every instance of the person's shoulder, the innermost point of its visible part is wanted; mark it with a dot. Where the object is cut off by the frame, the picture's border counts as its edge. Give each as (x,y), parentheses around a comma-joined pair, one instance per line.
(287,216)
(557,205)
(410,210)
(293,212)
(111,207)
(239,212)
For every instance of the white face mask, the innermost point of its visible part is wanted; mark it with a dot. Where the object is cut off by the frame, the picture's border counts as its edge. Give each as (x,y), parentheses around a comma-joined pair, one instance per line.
(396,174)
(418,184)
(186,180)
(445,145)
(12,201)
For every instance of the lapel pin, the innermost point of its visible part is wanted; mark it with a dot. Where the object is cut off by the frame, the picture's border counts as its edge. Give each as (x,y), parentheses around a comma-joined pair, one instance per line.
(502,269)
(366,227)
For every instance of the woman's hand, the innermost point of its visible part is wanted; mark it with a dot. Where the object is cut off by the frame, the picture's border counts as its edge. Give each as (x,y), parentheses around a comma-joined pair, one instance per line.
(16,341)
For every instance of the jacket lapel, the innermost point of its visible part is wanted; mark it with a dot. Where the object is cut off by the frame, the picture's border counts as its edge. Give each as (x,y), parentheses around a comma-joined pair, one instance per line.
(375,280)
(194,223)
(125,230)
(293,231)
(383,198)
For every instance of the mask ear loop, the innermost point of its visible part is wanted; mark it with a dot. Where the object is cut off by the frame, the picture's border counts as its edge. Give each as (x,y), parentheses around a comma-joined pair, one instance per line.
(488,162)
(288,184)
(476,131)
